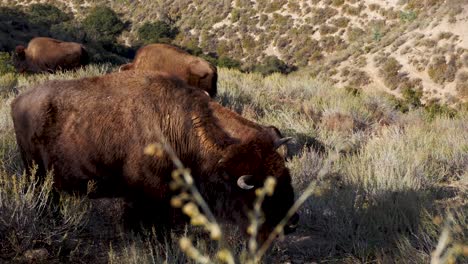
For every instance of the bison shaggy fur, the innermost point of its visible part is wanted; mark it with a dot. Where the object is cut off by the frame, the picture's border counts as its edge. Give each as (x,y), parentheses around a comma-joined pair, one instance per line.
(49,55)
(96,129)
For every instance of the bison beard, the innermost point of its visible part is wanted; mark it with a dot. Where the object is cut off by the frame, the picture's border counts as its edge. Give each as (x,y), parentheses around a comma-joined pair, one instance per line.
(95,129)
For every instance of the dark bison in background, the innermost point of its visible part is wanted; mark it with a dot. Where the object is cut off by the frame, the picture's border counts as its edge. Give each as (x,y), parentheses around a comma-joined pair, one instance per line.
(166,58)
(49,55)
(97,128)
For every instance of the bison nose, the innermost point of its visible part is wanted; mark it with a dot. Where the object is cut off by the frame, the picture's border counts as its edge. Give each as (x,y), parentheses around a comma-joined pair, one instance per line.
(292,224)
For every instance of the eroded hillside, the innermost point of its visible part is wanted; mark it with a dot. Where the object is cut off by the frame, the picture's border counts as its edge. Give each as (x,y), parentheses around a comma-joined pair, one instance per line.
(419,46)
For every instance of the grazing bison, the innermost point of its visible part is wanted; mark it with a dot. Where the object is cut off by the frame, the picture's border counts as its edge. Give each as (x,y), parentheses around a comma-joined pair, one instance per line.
(95,129)
(166,58)
(49,55)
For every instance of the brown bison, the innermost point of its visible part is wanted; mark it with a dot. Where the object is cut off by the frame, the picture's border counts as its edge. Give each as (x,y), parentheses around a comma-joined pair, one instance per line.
(95,129)
(49,55)
(166,58)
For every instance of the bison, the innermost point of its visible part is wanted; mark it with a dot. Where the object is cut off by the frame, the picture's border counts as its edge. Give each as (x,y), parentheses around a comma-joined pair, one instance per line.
(49,55)
(162,57)
(96,129)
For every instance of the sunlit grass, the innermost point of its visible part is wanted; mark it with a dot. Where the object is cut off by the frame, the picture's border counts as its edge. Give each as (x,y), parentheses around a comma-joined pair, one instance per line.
(381,176)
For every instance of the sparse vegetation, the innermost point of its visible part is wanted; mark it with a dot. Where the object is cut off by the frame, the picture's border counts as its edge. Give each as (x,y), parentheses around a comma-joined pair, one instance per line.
(156,32)
(440,71)
(46,14)
(462,84)
(390,72)
(377,166)
(272,64)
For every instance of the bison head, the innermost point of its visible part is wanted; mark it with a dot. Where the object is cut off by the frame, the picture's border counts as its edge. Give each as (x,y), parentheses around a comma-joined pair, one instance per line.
(19,59)
(203,75)
(246,167)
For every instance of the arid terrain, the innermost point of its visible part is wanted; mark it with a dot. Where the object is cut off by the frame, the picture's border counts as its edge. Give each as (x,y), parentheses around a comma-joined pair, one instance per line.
(421,44)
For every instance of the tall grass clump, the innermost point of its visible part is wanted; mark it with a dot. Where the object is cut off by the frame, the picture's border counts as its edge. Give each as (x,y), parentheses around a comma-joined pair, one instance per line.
(30,222)
(91,70)
(384,175)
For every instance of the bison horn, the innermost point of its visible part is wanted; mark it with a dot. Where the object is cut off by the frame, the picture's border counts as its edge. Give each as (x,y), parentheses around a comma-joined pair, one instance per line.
(241,182)
(282,141)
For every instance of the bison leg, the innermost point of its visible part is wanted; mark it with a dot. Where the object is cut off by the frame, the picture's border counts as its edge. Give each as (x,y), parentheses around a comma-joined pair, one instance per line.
(141,214)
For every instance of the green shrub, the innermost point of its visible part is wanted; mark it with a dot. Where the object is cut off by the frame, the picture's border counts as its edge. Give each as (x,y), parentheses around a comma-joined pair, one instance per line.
(337,3)
(374,7)
(340,22)
(272,64)
(359,78)
(408,16)
(226,62)
(355,33)
(46,14)
(332,43)
(8,83)
(235,15)
(326,29)
(68,31)
(6,64)
(462,84)
(412,96)
(434,109)
(321,15)
(156,32)
(437,69)
(102,24)
(275,5)
(352,10)
(444,35)
(390,73)
(420,4)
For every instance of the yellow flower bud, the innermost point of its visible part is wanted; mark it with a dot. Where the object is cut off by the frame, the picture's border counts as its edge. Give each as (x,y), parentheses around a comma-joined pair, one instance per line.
(176,175)
(176,202)
(215,232)
(270,184)
(198,220)
(185,244)
(225,256)
(465,250)
(259,192)
(174,185)
(250,229)
(437,220)
(155,149)
(190,209)
(150,150)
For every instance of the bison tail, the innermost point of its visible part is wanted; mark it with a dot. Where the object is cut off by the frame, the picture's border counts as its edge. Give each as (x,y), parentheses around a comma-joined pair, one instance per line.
(84,59)
(214,82)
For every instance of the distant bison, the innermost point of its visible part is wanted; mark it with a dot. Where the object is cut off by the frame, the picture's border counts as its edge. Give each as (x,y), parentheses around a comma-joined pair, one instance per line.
(166,58)
(95,129)
(49,55)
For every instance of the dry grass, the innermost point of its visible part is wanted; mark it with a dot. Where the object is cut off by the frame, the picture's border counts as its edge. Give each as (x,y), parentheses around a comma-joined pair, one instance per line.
(385,181)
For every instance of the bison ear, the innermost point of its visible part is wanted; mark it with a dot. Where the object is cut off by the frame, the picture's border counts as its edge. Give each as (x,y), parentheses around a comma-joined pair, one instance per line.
(282,141)
(20,51)
(199,69)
